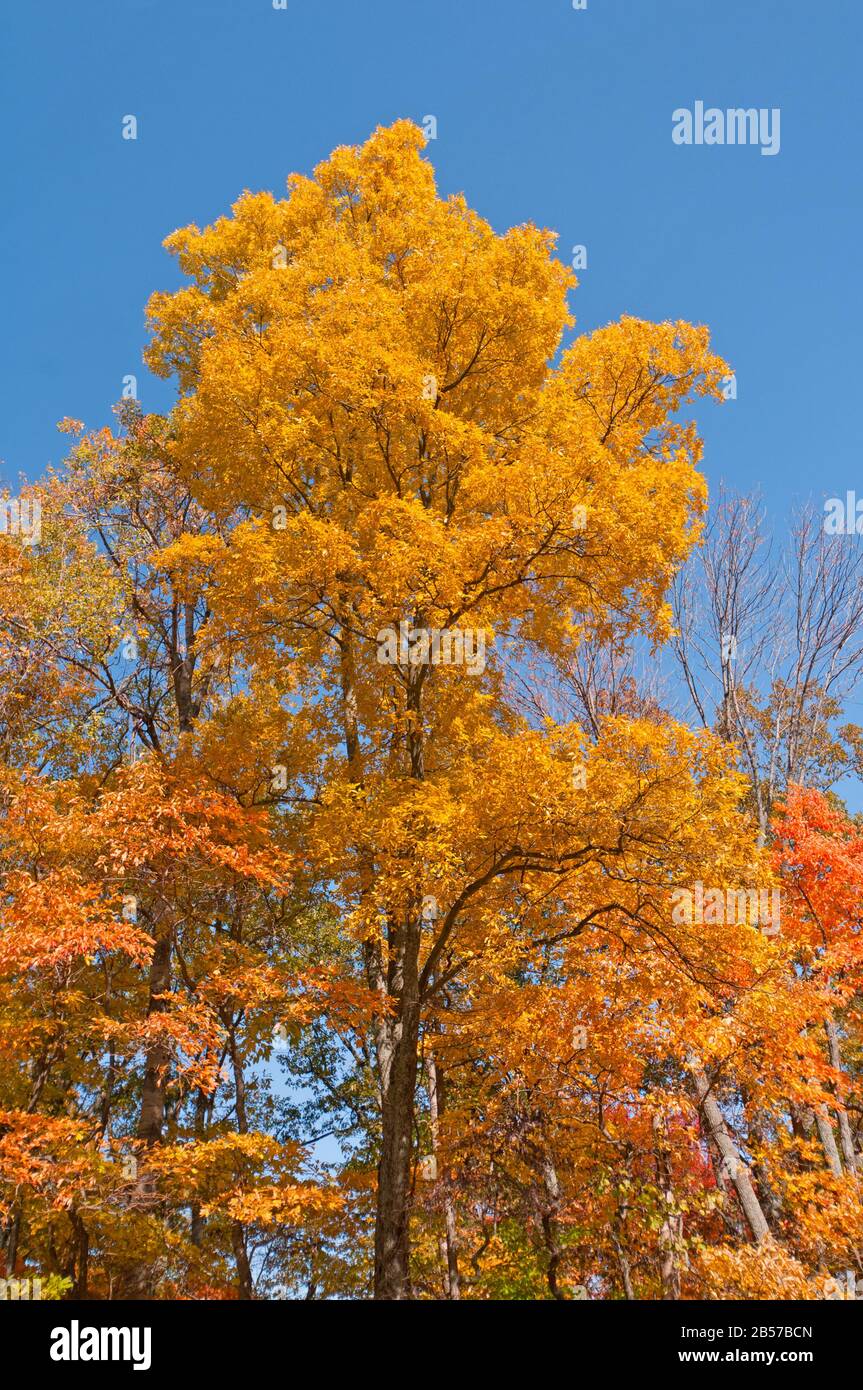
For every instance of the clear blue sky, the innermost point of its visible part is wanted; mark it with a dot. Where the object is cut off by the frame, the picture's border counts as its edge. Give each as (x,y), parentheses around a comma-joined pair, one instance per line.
(544,113)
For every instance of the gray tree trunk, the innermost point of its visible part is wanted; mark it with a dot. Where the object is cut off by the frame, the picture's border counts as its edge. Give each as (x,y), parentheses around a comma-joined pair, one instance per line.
(733,1165)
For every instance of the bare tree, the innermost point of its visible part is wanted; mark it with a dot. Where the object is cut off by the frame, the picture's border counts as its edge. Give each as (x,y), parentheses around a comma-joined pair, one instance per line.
(770,643)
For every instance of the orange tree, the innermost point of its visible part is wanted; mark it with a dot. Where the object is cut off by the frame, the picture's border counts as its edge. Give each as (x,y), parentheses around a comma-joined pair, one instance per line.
(150,940)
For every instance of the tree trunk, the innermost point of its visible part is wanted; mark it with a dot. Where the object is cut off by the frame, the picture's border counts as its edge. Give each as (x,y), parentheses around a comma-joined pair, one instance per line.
(735,1169)
(845,1136)
(450,1243)
(141,1283)
(245,1289)
(770,1200)
(624,1266)
(11,1236)
(550,1232)
(828,1140)
(398,1051)
(158,1056)
(398,1070)
(197,1222)
(618,1230)
(669,1231)
(81,1258)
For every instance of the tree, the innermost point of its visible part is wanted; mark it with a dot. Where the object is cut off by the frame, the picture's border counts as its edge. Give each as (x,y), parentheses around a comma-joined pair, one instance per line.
(365,373)
(769,645)
(329,752)
(149,929)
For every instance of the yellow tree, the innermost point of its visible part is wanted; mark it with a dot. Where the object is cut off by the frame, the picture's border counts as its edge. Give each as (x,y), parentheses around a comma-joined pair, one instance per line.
(417,489)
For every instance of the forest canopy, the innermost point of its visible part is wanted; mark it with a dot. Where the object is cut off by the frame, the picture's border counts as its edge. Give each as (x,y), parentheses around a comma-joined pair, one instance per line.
(346,854)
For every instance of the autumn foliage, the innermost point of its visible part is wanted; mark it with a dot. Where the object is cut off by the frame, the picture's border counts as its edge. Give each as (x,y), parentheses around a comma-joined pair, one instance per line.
(326,973)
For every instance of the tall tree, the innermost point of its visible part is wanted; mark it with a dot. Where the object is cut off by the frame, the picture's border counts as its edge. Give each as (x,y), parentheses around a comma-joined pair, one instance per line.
(365,369)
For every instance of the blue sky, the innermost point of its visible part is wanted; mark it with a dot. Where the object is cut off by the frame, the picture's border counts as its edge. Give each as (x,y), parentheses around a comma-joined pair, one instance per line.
(544,113)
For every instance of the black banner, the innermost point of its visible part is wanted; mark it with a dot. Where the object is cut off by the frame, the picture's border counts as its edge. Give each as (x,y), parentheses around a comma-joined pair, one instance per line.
(87,1341)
